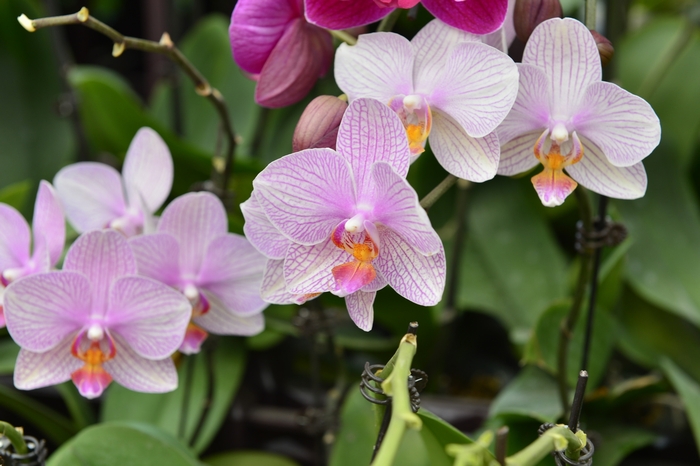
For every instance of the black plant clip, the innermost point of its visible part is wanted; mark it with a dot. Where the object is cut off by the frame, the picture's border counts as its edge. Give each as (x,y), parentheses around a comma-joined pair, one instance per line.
(604,233)
(36,456)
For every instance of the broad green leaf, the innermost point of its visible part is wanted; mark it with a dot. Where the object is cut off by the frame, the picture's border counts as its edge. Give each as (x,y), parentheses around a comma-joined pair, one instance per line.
(689,391)
(120,444)
(8,355)
(618,441)
(357,433)
(248,458)
(444,432)
(533,393)
(16,195)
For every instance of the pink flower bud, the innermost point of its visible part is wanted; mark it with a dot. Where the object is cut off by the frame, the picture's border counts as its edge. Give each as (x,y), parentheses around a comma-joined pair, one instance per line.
(605,47)
(530,13)
(318,125)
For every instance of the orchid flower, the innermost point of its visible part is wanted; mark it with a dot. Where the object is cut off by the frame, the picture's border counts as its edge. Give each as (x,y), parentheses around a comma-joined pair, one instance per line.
(444,83)
(95,321)
(348,220)
(219,272)
(49,235)
(475,16)
(271,40)
(565,117)
(96,196)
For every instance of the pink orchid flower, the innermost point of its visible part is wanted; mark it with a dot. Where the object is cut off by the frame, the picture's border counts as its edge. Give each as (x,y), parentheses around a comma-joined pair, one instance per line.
(352,222)
(444,84)
(95,321)
(96,196)
(48,236)
(475,16)
(566,118)
(271,40)
(219,272)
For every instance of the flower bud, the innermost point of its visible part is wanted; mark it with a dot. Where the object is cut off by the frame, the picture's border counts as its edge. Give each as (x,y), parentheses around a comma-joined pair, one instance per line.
(318,125)
(605,47)
(530,13)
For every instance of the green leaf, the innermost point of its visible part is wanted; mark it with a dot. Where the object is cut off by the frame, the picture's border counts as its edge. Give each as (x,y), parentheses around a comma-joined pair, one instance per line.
(689,391)
(357,433)
(443,431)
(16,195)
(618,441)
(8,355)
(533,393)
(248,458)
(121,444)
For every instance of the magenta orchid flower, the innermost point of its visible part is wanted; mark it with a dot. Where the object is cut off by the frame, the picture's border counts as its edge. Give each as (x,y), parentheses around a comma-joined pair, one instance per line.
(219,272)
(475,16)
(348,220)
(566,118)
(48,237)
(445,84)
(96,196)
(95,321)
(271,40)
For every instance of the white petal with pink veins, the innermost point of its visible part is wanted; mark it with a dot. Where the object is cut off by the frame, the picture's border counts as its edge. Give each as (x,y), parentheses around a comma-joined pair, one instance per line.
(308,269)
(360,308)
(35,370)
(138,373)
(517,155)
(148,169)
(531,108)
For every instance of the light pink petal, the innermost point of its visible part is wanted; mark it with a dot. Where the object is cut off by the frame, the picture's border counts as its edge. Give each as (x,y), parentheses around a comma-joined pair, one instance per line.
(377,284)
(256,27)
(623,125)
(308,269)
(148,169)
(138,373)
(477,88)
(221,321)
(476,16)
(433,46)
(261,232)
(42,309)
(565,50)
(48,223)
(359,306)
(36,370)
(380,66)
(150,316)
(596,173)
(397,207)
(531,108)
(14,239)
(371,132)
(274,288)
(232,270)
(91,193)
(102,256)
(473,159)
(340,14)
(306,194)
(195,220)
(416,277)
(517,155)
(157,256)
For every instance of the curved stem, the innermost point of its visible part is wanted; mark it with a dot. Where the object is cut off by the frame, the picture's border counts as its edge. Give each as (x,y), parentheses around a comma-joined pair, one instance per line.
(555,439)
(16,438)
(591,6)
(387,24)
(437,192)
(343,36)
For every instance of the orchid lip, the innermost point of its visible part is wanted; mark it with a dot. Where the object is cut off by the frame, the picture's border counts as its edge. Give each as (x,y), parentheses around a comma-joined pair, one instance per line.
(414,111)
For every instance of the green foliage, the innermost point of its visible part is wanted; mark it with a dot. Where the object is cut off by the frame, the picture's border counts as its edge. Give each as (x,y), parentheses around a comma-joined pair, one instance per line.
(533,393)
(689,391)
(16,195)
(248,458)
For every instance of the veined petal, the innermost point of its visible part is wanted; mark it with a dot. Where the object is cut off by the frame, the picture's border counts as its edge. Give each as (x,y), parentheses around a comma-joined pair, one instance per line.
(553,186)
(360,308)
(306,194)
(531,108)
(36,370)
(353,276)
(371,132)
(256,27)
(261,232)
(274,288)
(379,66)
(42,309)
(91,193)
(596,173)
(397,207)
(343,14)
(622,124)
(433,46)
(221,320)
(377,284)
(150,316)
(565,50)
(232,270)
(49,224)
(14,239)
(517,155)
(138,373)
(308,269)
(477,88)
(416,277)
(148,169)
(157,256)
(474,159)
(102,256)
(195,220)
(475,16)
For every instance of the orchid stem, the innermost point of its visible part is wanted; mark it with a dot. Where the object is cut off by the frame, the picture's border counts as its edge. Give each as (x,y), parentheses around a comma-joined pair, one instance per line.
(15,437)
(591,6)
(343,36)
(387,24)
(77,405)
(164,47)
(555,439)
(437,192)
